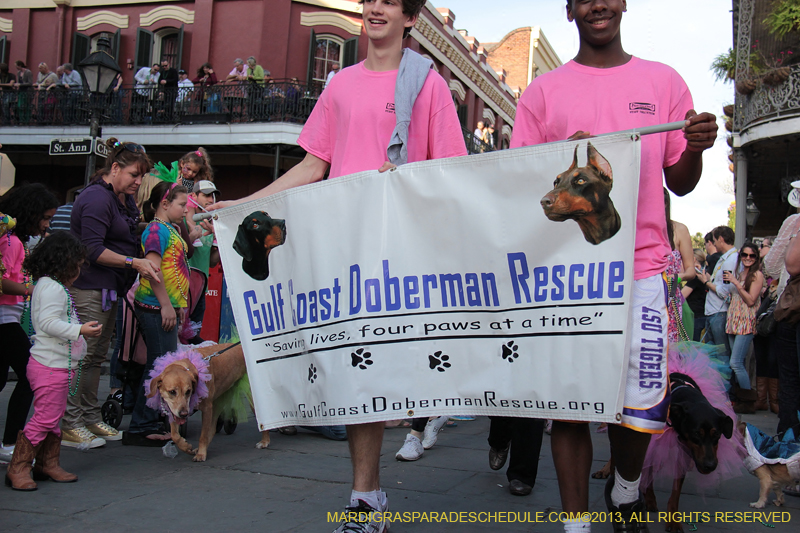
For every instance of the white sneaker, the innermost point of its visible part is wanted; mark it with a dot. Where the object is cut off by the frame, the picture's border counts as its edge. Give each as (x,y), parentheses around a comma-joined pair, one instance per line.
(432,429)
(412,449)
(364,519)
(5,453)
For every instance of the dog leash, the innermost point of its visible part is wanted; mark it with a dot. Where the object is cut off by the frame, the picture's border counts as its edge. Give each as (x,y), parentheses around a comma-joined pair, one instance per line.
(209,357)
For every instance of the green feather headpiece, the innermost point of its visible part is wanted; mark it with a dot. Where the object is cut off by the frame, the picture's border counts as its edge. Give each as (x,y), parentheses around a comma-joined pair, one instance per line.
(170,175)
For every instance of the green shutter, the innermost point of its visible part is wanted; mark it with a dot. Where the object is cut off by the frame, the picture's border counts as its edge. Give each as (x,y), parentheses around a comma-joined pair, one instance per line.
(115,51)
(312,48)
(144,48)
(80,48)
(180,49)
(350,55)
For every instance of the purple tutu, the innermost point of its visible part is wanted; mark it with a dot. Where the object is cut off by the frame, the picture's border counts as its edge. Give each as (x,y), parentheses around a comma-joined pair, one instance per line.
(200,392)
(666,457)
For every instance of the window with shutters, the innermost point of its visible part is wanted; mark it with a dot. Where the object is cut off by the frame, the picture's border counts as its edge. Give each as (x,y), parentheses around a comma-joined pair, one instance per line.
(328,51)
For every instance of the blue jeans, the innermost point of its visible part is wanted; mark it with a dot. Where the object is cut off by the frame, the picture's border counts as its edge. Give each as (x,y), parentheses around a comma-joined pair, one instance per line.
(158,343)
(115,383)
(741,345)
(715,331)
(329,432)
(699,325)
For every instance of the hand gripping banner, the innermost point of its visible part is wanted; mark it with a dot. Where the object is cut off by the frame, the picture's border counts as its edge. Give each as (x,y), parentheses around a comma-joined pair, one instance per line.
(496,284)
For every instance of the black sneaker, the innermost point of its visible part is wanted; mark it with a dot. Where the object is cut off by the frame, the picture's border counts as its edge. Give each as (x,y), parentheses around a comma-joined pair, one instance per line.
(362,519)
(628,517)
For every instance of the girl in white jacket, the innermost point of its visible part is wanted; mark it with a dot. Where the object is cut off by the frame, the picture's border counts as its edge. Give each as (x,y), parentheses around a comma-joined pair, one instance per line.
(58,347)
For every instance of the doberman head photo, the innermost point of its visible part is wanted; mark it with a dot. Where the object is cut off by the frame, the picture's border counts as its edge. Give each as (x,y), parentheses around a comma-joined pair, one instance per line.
(582,194)
(258,234)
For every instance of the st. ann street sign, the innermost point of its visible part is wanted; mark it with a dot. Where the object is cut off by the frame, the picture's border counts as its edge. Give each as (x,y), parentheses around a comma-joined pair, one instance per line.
(71,146)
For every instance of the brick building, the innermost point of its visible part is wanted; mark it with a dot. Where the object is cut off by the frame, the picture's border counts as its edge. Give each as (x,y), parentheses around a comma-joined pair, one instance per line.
(250,144)
(523,54)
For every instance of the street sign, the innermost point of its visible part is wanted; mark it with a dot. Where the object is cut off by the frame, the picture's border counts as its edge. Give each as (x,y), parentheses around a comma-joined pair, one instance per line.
(70,146)
(100,148)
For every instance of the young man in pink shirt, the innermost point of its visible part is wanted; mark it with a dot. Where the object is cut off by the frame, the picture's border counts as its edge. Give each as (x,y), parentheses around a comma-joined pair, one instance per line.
(349,131)
(604,89)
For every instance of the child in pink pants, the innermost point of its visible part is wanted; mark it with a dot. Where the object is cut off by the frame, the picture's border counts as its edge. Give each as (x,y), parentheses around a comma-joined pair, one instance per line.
(58,347)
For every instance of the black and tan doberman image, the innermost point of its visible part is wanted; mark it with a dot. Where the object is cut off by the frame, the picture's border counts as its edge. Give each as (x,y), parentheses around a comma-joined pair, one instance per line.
(582,194)
(258,234)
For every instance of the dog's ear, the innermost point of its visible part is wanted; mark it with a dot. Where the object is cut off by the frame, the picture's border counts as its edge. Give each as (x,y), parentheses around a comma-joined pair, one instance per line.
(676,411)
(195,377)
(574,160)
(155,384)
(598,162)
(726,424)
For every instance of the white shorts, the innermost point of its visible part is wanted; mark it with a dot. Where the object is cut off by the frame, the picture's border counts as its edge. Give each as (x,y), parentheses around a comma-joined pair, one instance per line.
(647,395)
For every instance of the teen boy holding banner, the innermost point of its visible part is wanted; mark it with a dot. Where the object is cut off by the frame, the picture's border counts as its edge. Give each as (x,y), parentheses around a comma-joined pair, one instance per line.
(603,90)
(364,109)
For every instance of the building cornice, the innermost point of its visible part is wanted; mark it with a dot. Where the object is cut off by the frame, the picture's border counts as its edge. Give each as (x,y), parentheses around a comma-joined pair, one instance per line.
(166,12)
(464,67)
(51,4)
(339,5)
(102,17)
(337,20)
(458,87)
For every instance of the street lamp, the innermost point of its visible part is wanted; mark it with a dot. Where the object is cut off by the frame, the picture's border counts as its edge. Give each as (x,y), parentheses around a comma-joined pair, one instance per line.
(751,213)
(99,70)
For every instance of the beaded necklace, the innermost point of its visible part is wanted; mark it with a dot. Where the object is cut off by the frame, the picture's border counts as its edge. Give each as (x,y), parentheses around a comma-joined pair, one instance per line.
(72,311)
(26,300)
(177,237)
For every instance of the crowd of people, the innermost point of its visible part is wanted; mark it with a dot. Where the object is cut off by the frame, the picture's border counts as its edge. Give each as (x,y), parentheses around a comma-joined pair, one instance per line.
(160,93)
(130,233)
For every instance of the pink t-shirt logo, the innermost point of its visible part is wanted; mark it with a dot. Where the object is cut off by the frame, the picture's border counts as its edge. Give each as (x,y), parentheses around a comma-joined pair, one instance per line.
(642,107)
(390,107)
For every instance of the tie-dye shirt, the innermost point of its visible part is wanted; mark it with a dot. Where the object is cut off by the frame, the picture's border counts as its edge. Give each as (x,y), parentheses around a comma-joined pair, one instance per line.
(167,242)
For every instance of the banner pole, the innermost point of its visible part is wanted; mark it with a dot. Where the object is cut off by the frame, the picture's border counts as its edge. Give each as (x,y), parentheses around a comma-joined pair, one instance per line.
(660,128)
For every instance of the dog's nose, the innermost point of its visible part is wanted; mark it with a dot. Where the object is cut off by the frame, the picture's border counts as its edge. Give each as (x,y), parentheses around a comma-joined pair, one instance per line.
(548,201)
(183,413)
(709,466)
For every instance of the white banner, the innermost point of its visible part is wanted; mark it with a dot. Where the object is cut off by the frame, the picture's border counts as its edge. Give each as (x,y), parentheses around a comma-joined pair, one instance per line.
(458,286)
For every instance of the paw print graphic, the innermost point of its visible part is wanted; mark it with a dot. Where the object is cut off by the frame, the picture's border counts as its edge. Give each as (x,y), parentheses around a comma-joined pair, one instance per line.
(312,373)
(439,361)
(361,358)
(509,351)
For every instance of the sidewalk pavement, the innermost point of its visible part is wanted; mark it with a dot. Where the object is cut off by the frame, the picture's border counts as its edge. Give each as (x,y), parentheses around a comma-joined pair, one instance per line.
(293,485)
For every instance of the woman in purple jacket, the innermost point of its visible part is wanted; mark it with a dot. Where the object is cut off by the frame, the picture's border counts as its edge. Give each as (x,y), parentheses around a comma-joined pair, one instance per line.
(105,218)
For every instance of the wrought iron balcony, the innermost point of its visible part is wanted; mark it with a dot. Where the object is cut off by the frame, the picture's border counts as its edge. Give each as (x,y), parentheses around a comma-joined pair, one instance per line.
(282,101)
(768,102)
(279,101)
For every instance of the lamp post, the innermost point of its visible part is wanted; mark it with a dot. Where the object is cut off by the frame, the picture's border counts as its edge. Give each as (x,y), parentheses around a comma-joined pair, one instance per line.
(99,70)
(751,214)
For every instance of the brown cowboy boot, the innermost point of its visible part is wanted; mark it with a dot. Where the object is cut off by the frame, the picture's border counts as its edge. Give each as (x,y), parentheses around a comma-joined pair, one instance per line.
(772,383)
(761,386)
(47,462)
(18,476)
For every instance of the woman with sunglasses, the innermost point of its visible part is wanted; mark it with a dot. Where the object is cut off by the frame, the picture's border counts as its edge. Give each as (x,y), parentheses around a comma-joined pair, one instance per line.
(105,218)
(748,282)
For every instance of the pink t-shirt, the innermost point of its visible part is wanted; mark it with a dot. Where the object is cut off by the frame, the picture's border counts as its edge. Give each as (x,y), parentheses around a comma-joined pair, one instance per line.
(13,254)
(352,122)
(639,93)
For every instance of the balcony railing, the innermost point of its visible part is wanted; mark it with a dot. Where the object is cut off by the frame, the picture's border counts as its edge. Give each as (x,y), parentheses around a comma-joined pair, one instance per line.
(770,101)
(281,101)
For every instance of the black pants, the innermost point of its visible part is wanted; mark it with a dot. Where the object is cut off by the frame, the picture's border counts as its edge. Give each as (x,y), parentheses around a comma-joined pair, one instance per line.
(789,376)
(15,353)
(524,435)
(418,424)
